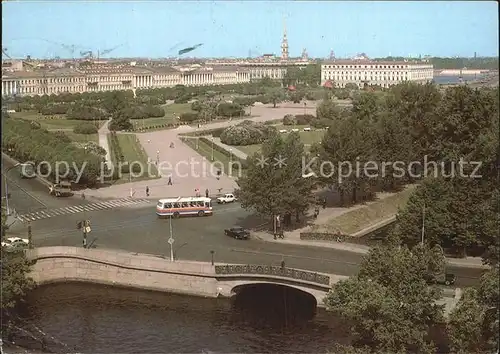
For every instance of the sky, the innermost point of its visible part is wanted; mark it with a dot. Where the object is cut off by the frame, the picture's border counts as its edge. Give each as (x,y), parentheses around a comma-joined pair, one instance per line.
(242,28)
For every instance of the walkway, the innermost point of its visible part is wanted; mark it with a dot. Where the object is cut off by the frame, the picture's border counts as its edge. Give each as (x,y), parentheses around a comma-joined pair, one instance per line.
(103,139)
(238,153)
(187,169)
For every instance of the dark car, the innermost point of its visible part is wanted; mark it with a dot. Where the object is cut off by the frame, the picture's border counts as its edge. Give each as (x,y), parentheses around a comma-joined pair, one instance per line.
(446,279)
(238,233)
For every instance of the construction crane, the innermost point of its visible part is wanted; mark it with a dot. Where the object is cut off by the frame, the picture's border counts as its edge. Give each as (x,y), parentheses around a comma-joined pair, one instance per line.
(4,52)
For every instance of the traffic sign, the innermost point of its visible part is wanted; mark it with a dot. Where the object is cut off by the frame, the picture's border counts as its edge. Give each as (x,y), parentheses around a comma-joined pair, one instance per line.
(171,241)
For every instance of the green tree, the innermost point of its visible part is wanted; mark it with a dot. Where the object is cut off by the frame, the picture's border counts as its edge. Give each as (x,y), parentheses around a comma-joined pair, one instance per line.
(276,95)
(389,305)
(473,325)
(327,109)
(273,184)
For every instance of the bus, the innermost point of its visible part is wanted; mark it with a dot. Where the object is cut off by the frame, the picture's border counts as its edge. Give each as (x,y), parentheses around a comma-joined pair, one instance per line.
(178,206)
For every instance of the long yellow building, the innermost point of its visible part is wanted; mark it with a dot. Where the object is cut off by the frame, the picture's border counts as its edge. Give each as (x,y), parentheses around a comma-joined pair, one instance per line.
(57,81)
(381,73)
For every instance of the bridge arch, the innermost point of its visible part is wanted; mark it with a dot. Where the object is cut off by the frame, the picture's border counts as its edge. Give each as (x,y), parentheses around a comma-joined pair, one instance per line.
(306,293)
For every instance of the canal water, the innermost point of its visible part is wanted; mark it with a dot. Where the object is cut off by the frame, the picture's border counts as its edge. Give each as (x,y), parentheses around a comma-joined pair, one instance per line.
(87,318)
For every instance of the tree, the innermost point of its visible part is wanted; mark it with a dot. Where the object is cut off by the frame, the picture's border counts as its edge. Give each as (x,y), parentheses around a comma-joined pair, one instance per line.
(473,325)
(276,95)
(273,184)
(389,305)
(327,109)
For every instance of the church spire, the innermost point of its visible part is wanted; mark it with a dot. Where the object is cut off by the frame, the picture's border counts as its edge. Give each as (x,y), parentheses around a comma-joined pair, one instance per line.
(284,43)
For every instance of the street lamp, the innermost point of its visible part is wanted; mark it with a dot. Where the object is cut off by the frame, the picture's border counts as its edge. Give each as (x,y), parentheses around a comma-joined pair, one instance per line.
(7,189)
(171,241)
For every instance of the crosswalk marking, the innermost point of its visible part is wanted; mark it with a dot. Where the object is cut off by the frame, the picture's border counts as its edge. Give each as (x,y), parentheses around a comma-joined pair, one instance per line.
(49,213)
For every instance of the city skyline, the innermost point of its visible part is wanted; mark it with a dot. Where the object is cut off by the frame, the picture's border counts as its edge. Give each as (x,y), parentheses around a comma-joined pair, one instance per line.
(139,29)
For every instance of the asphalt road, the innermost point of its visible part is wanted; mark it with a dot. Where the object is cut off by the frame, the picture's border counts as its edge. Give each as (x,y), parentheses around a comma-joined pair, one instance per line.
(30,195)
(138,229)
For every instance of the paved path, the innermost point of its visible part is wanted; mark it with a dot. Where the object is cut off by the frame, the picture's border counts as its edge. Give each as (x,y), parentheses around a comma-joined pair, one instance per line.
(103,139)
(186,168)
(238,153)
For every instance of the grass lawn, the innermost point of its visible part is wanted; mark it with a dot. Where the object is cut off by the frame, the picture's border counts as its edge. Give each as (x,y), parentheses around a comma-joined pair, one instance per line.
(82,138)
(370,214)
(249,149)
(152,122)
(52,122)
(205,150)
(132,151)
(175,109)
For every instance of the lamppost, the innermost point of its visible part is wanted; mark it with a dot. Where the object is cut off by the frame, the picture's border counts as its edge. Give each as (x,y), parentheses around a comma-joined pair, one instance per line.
(7,189)
(212,148)
(212,252)
(423,225)
(171,241)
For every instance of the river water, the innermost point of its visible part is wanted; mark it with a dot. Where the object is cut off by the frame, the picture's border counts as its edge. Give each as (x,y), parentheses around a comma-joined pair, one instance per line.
(89,318)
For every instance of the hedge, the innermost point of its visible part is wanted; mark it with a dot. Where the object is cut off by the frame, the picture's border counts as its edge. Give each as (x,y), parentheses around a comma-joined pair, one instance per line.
(85,128)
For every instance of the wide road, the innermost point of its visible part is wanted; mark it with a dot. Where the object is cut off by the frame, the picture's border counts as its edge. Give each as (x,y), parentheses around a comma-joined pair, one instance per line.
(138,229)
(30,195)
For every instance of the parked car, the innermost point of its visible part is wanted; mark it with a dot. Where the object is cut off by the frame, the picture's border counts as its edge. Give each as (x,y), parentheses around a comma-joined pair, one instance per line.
(227,198)
(13,244)
(238,233)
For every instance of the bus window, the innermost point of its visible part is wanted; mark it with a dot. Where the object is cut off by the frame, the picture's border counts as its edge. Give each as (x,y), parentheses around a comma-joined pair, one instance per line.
(168,205)
(185,204)
(160,205)
(207,204)
(176,205)
(199,204)
(192,204)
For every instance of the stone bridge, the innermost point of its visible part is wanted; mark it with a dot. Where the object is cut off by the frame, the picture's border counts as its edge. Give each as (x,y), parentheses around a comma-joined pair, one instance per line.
(150,272)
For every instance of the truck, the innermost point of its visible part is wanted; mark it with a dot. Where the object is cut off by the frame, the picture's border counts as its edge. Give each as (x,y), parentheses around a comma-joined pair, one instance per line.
(226,198)
(61,189)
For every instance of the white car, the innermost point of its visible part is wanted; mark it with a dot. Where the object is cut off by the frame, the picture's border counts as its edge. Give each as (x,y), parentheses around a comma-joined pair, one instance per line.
(307,129)
(15,243)
(227,198)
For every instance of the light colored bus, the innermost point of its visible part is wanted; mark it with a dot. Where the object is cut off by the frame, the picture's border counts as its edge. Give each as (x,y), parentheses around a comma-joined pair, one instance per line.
(184,206)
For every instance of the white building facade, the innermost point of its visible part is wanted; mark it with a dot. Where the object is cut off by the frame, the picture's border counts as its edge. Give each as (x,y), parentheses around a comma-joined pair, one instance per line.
(367,72)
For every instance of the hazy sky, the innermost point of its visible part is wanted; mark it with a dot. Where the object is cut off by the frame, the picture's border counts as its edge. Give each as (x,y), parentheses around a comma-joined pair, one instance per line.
(233,28)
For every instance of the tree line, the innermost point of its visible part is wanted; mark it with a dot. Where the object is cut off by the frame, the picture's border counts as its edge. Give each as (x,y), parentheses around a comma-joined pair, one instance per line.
(409,123)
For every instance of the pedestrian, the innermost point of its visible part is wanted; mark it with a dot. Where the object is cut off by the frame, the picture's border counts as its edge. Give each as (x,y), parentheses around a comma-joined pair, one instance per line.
(206,193)
(147,191)
(282,263)
(324,203)
(316,212)
(169,181)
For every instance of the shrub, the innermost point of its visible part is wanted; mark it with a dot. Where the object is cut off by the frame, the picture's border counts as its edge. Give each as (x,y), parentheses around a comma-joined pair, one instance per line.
(229,110)
(188,117)
(321,123)
(289,119)
(85,128)
(304,119)
(246,133)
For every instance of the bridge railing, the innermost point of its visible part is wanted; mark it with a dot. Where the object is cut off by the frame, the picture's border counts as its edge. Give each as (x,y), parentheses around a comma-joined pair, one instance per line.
(241,269)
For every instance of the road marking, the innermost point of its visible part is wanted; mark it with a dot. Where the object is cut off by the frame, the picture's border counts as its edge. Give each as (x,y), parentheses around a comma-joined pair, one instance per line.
(48,213)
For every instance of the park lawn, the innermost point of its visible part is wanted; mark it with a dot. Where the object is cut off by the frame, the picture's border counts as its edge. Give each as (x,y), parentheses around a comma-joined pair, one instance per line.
(249,149)
(53,122)
(367,215)
(82,138)
(205,150)
(175,109)
(132,151)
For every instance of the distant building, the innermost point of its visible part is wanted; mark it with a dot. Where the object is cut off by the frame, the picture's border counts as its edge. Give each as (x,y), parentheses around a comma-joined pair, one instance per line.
(366,72)
(96,79)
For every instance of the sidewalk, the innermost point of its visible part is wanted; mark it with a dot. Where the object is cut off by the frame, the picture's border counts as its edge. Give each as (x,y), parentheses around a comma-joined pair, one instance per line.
(294,238)
(238,153)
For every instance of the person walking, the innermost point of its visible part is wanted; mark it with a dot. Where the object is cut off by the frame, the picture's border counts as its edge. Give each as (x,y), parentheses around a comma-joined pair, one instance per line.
(169,181)
(147,191)
(206,193)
